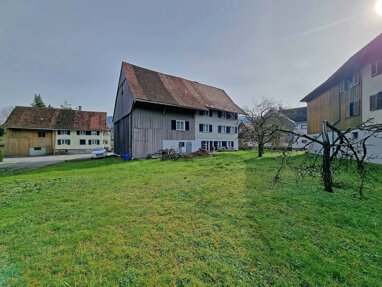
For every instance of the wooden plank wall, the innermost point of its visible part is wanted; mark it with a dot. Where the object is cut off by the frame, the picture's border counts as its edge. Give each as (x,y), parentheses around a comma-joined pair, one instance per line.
(17,142)
(151,126)
(331,106)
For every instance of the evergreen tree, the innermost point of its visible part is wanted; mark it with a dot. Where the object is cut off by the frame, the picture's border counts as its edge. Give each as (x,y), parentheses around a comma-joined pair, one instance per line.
(38,102)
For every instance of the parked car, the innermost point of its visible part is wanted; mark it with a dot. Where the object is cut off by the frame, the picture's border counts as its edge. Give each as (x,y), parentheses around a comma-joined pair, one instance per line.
(99,153)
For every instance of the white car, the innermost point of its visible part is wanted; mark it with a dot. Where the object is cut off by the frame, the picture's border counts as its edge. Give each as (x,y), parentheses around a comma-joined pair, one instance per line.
(99,153)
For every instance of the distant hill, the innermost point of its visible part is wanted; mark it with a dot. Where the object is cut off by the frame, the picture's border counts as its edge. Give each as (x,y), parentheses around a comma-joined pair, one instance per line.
(109,121)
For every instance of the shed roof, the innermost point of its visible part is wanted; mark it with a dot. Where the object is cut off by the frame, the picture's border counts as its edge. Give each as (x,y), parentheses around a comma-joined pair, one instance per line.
(371,50)
(150,86)
(53,119)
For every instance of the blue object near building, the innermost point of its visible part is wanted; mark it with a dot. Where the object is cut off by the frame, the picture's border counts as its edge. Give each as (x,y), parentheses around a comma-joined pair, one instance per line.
(125,156)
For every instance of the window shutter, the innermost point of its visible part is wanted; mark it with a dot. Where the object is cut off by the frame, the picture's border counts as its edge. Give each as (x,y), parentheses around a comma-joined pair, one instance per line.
(219,129)
(219,114)
(78,133)
(187,125)
(356,108)
(58,132)
(173,125)
(347,108)
(379,101)
(232,144)
(68,142)
(201,113)
(98,142)
(235,130)
(68,133)
(200,127)
(89,142)
(210,128)
(211,113)
(373,102)
(97,133)
(59,142)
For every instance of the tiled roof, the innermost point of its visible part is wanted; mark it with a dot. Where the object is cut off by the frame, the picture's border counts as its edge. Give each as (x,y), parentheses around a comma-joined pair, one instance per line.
(53,119)
(372,49)
(155,87)
(298,115)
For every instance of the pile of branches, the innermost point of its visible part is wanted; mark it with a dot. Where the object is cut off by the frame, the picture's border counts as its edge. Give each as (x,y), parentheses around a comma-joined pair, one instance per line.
(172,154)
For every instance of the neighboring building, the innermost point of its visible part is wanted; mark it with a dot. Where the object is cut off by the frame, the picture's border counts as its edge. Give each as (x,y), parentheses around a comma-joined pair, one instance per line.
(297,118)
(110,129)
(351,96)
(155,111)
(287,119)
(31,131)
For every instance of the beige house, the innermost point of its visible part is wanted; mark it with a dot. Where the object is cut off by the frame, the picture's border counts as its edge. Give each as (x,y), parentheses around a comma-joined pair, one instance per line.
(31,131)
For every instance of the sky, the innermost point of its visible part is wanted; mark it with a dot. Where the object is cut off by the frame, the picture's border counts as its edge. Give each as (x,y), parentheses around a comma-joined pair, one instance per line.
(72,50)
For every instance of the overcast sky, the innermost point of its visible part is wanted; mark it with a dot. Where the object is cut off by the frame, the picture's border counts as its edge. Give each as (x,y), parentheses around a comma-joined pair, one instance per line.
(72,50)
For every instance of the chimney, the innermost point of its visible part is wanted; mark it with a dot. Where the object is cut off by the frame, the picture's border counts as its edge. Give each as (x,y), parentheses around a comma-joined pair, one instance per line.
(80,108)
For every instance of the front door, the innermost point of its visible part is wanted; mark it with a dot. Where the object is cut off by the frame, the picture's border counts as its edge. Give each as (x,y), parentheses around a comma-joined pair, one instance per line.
(188,147)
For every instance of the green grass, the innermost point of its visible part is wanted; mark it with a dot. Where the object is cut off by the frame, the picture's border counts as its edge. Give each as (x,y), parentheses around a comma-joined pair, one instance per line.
(204,222)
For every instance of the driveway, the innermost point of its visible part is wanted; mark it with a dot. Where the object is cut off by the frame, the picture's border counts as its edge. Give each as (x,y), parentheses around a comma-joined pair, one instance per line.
(38,161)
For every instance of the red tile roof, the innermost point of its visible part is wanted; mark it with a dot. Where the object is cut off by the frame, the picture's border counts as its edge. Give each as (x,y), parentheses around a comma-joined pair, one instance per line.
(155,87)
(54,119)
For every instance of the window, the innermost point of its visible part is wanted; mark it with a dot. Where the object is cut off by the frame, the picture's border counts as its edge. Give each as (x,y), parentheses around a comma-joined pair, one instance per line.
(94,133)
(93,142)
(37,148)
(353,109)
(375,67)
(105,142)
(82,142)
(228,130)
(63,142)
(342,86)
(81,133)
(376,102)
(304,141)
(88,133)
(304,126)
(356,79)
(354,135)
(211,113)
(181,145)
(204,128)
(63,132)
(178,125)
(204,113)
(41,134)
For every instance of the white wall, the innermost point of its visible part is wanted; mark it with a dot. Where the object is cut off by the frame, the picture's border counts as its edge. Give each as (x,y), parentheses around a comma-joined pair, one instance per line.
(75,141)
(300,128)
(374,146)
(370,86)
(215,121)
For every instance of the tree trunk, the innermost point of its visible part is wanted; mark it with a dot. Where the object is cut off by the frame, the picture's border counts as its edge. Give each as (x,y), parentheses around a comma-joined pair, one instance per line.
(326,169)
(261,149)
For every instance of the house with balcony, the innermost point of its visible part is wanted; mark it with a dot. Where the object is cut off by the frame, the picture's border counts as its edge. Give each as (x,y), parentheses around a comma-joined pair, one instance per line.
(155,111)
(32,131)
(351,96)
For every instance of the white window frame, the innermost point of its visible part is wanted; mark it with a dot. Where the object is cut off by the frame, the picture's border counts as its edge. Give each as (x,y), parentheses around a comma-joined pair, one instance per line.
(206,128)
(82,133)
(94,142)
(64,141)
(342,86)
(204,113)
(356,79)
(375,64)
(179,125)
(94,133)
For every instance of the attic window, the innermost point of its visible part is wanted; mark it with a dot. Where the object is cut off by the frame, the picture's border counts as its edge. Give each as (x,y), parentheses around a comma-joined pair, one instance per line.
(375,68)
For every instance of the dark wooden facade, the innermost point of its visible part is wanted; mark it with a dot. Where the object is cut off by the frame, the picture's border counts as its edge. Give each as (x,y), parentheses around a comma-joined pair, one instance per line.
(331,106)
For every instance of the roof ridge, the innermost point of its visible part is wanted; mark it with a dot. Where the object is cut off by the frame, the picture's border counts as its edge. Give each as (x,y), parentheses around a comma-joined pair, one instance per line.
(182,78)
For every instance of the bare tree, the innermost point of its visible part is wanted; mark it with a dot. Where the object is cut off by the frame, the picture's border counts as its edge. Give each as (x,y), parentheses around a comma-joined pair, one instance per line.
(261,124)
(5,112)
(343,148)
(66,105)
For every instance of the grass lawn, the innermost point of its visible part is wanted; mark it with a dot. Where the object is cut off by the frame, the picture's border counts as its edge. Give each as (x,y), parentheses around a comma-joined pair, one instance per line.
(204,222)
